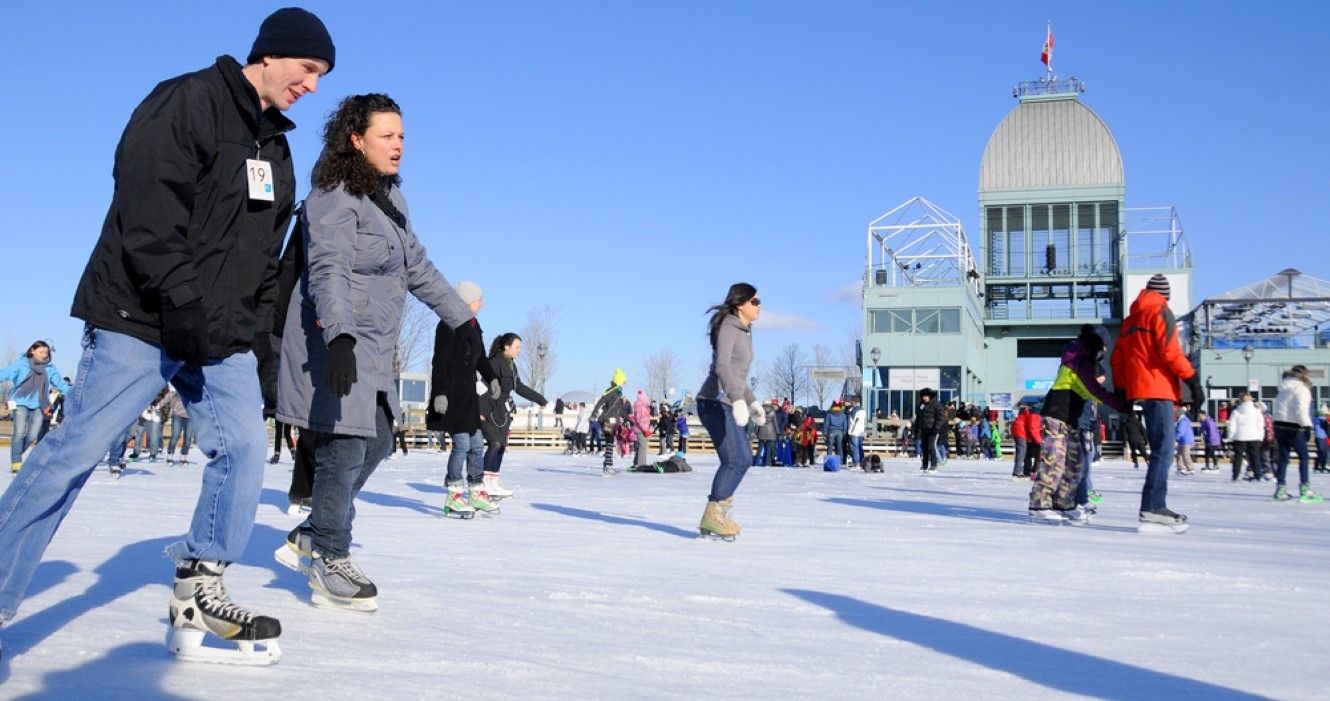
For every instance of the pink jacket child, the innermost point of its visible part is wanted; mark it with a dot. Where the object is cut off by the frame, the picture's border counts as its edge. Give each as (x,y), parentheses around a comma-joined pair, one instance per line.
(642,414)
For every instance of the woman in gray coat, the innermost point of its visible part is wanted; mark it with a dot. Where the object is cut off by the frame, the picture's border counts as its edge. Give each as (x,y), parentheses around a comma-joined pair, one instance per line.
(336,379)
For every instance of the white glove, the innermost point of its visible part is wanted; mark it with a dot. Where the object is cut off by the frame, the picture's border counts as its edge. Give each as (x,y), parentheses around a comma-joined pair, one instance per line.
(496,389)
(759,414)
(441,404)
(740,410)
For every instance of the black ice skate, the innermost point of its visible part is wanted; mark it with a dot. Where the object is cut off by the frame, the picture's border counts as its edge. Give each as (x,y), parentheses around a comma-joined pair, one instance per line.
(200,605)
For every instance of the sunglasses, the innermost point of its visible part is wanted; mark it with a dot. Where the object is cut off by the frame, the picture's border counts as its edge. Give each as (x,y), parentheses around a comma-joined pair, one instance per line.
(756,302)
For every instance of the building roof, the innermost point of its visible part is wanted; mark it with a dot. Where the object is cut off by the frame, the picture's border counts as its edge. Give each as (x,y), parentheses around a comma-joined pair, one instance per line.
(1288,304)
(1051,143)
(1284,285)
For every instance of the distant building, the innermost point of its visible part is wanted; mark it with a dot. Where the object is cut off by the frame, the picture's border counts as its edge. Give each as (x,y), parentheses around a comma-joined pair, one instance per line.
(1058,248)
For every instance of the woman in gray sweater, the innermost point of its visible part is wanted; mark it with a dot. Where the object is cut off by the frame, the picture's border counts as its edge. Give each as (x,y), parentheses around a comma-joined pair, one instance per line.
(725,403)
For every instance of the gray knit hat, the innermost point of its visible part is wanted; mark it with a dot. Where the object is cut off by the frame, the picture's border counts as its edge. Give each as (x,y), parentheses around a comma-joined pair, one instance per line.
(296,33)
(1159,284)
(469,291)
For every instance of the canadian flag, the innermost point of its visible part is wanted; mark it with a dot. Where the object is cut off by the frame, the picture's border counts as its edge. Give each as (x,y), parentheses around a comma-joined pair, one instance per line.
(1047,55)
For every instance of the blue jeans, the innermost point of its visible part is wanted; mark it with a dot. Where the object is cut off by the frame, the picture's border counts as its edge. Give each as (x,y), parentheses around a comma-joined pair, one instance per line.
(27,422)
(732,447)
(1087,458)
(857,449)
(180,434)
(117,376)
(836,444)
(154,438)
(468,448)
(1292,440)
(342,465)
(1161,434)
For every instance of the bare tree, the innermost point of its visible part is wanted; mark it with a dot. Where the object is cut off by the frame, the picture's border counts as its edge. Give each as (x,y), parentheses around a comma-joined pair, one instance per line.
(415,343)
(661,371)
(788,376)
(539,358)
(821,387)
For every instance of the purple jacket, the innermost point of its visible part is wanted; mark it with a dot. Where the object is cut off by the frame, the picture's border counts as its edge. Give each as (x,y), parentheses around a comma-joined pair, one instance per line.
(1210,431)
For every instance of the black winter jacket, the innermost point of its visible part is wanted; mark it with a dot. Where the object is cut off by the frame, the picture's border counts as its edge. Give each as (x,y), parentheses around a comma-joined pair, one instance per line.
(181,225)
(930,416)
(458,355)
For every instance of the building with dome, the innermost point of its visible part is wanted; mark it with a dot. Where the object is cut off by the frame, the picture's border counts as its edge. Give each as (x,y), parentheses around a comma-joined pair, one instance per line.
(1058,248)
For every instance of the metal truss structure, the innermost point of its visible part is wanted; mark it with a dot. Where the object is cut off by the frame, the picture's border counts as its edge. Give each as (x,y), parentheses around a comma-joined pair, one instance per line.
(1287,310)
(1154,239)
(919,244)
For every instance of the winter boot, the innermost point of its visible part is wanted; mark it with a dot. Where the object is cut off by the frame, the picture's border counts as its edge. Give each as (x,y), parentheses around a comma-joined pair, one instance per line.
(200,605)
(457,503)
(716,522)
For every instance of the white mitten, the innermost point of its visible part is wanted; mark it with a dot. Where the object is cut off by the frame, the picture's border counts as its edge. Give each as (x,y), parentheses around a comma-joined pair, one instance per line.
(740,410)
(759,414)
(441,404)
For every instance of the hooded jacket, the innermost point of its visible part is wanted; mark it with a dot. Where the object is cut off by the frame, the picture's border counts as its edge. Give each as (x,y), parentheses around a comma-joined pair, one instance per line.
(1147,361)
(181,225)
(642,413)
(1293,404)
(1077,382)
(1246,423)
(835,421)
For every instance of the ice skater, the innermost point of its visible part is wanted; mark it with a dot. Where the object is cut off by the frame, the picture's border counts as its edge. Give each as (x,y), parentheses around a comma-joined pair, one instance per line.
(336,380)
(176,289)
(726,402)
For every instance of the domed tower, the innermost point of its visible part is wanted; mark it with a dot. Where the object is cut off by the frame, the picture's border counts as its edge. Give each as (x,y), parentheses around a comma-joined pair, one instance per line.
(1051,229)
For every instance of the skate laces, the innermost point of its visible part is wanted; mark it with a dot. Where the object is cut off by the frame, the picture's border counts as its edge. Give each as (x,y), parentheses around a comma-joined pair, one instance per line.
(212,596)
(346,568)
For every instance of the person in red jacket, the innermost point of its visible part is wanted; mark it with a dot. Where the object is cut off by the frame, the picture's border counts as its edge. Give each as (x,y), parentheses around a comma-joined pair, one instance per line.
(1148,363)
(1034,425)
(1020,434)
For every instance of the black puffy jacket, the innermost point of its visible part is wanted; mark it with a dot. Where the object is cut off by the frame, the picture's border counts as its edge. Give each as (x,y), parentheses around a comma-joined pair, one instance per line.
(181,225)
(930,416)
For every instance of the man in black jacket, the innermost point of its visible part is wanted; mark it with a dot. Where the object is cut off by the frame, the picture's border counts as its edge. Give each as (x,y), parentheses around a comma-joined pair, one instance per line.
(174,291)
(929,420)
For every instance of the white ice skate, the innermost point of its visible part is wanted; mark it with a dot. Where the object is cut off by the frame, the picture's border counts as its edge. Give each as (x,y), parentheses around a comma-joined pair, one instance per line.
(296,553)
(494,487)
(1047,516)
(200,606)
(457,504)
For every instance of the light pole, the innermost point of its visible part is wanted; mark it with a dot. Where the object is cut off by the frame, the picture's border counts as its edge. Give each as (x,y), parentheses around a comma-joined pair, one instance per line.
(541,348)
(1247,353)
(874,355)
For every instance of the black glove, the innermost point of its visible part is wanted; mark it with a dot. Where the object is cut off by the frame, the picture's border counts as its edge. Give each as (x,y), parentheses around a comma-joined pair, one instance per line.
(341,370)
(267,357)
(185,332)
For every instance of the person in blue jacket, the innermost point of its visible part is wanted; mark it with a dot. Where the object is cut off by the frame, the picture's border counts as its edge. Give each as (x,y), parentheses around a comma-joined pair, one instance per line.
(32,377)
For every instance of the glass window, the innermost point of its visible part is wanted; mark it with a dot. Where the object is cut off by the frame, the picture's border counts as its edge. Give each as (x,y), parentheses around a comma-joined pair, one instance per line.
(1061,236)
(902,320)
(950,321)
(1107,233)
(926,321)
(1016,247)
(1086,254)
(1039,238)
(997,243)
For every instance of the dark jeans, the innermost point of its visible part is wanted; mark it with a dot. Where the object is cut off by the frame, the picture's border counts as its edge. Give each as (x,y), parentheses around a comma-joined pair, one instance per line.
(1161,434)
(928,449)
(732,447)
(343,465)
(1294,440)
(1251,450)
(1211,456)
(280,431)
(1018,468)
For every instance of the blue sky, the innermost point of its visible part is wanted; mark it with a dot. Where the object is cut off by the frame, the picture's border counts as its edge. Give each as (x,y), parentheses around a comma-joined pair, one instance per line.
(626,161)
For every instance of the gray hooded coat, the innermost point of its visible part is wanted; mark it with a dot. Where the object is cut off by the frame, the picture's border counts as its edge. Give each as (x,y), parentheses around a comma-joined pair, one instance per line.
(360,265)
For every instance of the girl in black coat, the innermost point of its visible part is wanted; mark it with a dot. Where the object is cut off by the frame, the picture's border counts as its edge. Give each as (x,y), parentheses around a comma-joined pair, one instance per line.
(496,411)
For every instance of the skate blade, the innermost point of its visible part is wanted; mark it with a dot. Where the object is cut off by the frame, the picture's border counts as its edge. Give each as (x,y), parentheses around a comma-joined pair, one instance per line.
(325,600)
(1041,521)
(1160,529)
(287,557)
(463,515)
(187,645)
(708,535)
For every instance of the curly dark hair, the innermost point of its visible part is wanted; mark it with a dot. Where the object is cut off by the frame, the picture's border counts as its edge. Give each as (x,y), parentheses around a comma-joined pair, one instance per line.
(340,163)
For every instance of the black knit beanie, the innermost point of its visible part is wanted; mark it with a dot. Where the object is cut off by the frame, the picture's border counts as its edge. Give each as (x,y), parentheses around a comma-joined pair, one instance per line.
(296,33)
